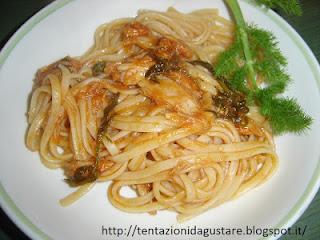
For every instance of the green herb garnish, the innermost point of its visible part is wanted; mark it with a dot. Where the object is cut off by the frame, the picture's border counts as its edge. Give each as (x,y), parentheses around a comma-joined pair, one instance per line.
(255,58)
(291,7)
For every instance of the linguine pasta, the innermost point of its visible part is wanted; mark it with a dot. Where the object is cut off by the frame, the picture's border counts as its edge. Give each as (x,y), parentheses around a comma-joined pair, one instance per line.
(141,109)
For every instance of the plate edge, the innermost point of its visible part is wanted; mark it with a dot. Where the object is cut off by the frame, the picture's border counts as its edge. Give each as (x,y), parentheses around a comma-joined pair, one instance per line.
(6,203)
(289,219)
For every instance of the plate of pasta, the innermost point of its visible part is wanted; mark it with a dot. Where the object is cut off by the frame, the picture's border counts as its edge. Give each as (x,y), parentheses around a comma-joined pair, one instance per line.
(149,119)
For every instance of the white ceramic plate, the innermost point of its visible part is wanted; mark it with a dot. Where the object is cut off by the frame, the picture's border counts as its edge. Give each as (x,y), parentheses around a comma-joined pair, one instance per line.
(30,192)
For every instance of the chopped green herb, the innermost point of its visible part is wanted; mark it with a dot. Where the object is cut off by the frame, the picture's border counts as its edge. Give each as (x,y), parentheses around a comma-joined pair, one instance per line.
(102,132)
(206,65)
(161,66)
(82,175)
(98,68)
(89,173)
